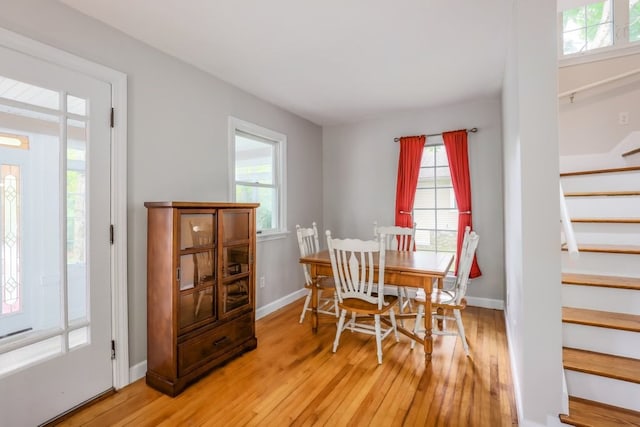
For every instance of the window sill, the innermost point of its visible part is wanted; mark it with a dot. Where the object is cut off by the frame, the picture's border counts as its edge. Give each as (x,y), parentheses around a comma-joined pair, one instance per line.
(275,235)
(599,55)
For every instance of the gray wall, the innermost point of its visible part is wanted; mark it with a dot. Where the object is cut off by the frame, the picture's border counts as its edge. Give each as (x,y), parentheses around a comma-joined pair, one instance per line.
(360,163)
(177,136)
(532,238)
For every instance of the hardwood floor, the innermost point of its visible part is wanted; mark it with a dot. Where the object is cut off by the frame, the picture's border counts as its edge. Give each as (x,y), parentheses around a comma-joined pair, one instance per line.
(294,379)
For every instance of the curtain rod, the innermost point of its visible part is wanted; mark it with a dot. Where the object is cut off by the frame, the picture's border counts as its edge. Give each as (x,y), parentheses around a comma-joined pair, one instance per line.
(472,130)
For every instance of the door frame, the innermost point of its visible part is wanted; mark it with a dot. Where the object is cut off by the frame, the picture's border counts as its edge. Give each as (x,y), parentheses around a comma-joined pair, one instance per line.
(118,197)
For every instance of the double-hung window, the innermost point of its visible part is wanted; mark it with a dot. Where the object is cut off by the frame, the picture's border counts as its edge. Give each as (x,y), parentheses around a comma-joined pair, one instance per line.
(258,173)
(435,210)
(597,26)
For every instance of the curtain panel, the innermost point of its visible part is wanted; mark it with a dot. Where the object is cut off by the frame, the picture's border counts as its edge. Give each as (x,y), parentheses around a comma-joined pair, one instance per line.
(408,171)
(456,145)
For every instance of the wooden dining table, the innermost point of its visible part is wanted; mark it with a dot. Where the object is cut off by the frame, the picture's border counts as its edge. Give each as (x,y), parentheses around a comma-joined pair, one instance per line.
(411,269)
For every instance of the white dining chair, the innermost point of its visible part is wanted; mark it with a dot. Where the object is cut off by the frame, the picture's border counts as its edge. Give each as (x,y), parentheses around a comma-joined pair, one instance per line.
(352,262)
(450,300)
(308,243)
(401,239)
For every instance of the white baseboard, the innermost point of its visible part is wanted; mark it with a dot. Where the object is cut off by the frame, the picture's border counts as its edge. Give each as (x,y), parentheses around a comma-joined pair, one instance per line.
(278,304)
(495,304)
(137,371)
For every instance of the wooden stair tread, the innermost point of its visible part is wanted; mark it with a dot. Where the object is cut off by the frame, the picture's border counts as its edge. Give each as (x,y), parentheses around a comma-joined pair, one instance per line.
(601,319)
(613,249)
(608,220)
(603,193)
(605,365)
(587,413)
(610,170)
(618,282)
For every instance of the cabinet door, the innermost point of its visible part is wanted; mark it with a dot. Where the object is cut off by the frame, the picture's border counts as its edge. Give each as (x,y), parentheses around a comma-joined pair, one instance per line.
(197,278)
(236,285)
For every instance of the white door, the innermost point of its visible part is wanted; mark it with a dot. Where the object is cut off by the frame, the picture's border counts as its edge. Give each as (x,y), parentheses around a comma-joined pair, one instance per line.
(55,295)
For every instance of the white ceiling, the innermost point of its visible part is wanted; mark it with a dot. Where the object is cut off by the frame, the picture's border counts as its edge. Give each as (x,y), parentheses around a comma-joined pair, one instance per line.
(330,61)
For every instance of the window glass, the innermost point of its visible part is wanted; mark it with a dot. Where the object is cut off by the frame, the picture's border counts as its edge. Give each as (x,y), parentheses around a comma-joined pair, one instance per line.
(587,27)
(435,211)
(634,20)
(259,171)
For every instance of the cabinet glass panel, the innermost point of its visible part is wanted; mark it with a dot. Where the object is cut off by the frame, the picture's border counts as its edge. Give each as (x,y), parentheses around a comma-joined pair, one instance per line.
(197,230)
(236,260)
(235,294)
(195,305)
(196,287)
(236,225)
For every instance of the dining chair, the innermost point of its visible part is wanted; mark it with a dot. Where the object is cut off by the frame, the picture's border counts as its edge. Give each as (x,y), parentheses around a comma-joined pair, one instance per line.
(450,300)
(308,243)
(352,262)
(401,239)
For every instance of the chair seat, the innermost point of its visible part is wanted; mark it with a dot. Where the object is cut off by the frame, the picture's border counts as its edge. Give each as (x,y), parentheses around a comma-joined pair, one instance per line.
(438,296)
(325,283)
(360,306)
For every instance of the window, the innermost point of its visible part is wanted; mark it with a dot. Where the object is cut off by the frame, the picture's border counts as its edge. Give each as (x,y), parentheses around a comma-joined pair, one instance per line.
(587,27)
(258,169)
(435,210)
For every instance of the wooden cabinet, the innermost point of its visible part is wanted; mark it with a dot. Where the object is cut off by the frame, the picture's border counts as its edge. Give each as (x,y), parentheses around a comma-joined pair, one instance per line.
(200,289)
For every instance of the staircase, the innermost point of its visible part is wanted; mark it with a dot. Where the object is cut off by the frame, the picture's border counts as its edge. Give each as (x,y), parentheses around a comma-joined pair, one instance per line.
(601,298)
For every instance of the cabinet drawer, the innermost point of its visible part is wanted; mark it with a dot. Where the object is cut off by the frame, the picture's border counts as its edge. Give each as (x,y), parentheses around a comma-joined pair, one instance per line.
(199,350)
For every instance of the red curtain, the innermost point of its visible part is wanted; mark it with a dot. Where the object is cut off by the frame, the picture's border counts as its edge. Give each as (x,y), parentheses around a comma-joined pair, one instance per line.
(408,170)
(456,145)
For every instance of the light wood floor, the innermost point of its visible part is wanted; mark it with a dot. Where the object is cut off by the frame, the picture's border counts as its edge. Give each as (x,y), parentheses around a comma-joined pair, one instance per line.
(293,378)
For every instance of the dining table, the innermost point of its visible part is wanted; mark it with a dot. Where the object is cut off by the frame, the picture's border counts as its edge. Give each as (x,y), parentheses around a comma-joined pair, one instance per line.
(413,269)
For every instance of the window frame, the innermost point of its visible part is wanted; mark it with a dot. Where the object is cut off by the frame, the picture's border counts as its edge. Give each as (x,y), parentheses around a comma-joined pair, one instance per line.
(280,142)
(435,209)
(621,45)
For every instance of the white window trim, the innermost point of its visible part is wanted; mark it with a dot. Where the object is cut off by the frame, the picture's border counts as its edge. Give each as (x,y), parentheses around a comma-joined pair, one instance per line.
(118,82)
(281,139)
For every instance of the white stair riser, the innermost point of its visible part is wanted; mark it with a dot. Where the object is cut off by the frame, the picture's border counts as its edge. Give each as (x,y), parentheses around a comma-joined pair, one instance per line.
(602,263)
(604,207)
(623,181)
(599,298)
(606,390)
(613,234)
(601,340)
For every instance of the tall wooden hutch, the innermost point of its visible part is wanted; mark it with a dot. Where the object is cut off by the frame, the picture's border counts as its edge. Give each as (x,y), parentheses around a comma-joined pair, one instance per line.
(200,289)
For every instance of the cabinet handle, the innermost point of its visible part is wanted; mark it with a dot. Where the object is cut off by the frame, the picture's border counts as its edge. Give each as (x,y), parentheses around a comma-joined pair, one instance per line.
(220,341)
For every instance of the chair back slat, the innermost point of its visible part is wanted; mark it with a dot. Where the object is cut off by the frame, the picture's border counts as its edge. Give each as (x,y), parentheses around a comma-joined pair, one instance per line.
(467,252)
(397,238)
(308,243)
(353,265)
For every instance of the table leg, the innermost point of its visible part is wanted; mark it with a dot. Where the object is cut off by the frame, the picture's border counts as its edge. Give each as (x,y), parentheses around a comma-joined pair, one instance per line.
(440,311)
(428,338)
(314,301)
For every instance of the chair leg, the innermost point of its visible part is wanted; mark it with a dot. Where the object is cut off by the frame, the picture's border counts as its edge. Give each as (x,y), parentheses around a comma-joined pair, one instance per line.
(306,306)
(335,303)
(416,327)
(378,337)
(401,303)
(392,316)
(343,315)
(456,314)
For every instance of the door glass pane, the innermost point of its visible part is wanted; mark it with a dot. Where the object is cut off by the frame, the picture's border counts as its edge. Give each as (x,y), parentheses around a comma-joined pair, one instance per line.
(77,220)
(76,105)
(31,257)
(30,94)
